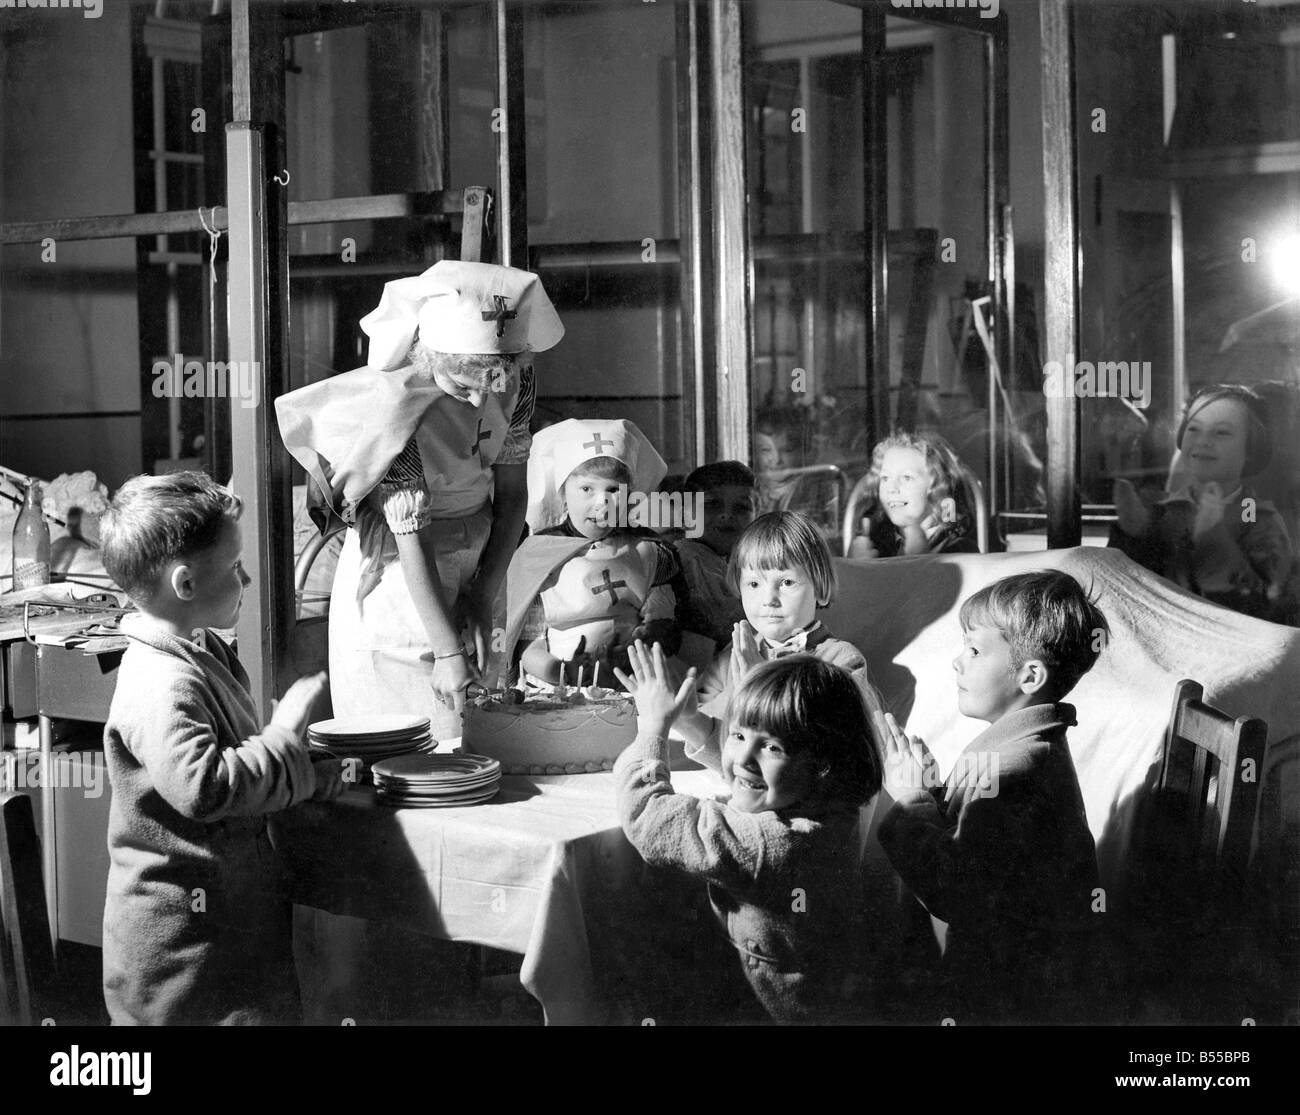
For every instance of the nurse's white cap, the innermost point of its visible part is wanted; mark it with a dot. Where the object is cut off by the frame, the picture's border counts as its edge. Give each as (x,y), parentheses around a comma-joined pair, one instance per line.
(461,308)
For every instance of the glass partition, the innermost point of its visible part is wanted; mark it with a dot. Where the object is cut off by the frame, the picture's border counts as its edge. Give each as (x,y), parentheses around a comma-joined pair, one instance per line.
(811,312)
(1190,235)
(602,215)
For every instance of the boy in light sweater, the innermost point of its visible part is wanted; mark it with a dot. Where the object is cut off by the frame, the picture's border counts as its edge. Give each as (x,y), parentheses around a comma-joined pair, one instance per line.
(779,852)
(196,925)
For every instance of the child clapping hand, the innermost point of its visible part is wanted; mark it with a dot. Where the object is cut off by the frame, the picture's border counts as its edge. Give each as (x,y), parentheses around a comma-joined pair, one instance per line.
(798,761)
(1212,535)
(659,702)
(908,763)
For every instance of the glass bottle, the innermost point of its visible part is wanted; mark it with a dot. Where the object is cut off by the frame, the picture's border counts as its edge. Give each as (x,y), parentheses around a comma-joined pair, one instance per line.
(31,543)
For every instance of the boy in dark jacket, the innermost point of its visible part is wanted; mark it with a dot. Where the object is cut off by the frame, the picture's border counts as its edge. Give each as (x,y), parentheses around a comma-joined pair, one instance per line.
(1002,851)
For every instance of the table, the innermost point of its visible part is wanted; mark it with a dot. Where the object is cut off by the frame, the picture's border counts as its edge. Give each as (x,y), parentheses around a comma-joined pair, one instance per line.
(534,871)
(74,685)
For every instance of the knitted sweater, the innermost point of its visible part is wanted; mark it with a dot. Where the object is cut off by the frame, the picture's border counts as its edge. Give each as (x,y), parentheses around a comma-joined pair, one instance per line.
(784,886)
(196,925)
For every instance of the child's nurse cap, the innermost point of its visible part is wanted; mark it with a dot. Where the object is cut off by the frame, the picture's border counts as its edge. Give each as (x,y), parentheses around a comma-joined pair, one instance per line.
(559,449)
(461,308)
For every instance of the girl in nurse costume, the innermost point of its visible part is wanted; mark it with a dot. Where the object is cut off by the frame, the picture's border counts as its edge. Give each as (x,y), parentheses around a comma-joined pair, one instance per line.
(423,454)
(593,578)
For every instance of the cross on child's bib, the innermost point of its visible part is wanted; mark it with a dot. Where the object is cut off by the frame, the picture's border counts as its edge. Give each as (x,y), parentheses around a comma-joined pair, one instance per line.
(499,314)
(597,444)
(608,586)
(483,435)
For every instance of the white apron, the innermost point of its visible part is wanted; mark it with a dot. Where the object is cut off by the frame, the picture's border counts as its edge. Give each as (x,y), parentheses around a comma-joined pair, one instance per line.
(598,595)
(380,660)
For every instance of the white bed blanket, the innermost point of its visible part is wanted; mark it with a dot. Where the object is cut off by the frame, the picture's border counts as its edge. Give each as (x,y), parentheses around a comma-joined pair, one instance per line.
(903,614)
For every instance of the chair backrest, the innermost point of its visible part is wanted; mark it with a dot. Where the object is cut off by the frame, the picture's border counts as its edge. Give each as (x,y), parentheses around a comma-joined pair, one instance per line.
(1209,783)
(26,955)
(816,491)
(978,505)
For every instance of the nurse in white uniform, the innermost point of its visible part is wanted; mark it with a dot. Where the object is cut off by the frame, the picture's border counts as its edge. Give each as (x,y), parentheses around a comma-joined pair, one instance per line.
(423,454)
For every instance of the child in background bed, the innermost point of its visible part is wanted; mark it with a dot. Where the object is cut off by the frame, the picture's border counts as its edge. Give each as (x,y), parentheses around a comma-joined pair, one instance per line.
(613,584)
(196,925)
(917,506)
(1212,536)
(777,449)
(1002,851)
(779,854)
(712,607)
(782,569)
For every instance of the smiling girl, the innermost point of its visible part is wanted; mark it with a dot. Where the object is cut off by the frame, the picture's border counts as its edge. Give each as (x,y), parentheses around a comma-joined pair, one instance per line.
(1211,535)
(915,494)
(779,852)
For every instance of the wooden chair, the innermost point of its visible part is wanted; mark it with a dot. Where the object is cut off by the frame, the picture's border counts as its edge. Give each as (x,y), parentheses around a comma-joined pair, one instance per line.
(1190,949)
(26,956)
(1209,784)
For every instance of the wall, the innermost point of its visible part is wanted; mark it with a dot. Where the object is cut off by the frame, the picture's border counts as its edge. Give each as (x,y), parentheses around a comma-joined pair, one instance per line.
(69,345)
(935,175)
(601,83)
(329,149)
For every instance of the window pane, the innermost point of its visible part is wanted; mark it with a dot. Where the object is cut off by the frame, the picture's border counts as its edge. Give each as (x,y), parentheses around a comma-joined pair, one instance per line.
(811,323)
(602,208)
(1189,204)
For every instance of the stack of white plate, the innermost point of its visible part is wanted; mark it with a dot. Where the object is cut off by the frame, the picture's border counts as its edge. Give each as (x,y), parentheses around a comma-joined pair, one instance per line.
(371,739)
(436,781)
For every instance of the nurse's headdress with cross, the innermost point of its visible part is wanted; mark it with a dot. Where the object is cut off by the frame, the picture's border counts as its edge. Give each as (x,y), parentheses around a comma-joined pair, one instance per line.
(559,449)
(456,307)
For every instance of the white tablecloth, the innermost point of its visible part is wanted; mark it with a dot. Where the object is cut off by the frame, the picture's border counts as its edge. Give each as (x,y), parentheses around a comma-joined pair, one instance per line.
(531,872)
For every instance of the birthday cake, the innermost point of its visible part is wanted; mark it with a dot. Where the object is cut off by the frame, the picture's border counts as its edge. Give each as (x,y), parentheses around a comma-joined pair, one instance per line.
(579,732)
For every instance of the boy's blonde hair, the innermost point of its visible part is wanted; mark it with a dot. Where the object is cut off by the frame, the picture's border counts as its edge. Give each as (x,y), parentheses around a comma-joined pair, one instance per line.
(784,540)
(817,710)
(153,521)
(1046,616)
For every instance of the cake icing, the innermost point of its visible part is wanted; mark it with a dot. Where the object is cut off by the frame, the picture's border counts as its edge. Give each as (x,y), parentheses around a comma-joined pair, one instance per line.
(580,733)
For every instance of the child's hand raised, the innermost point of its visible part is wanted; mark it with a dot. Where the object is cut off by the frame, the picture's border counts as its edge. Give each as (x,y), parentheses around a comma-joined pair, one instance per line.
(658,701)
(1134,516)
(293,711)
(745,654)
(908,762)
(1210,505)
